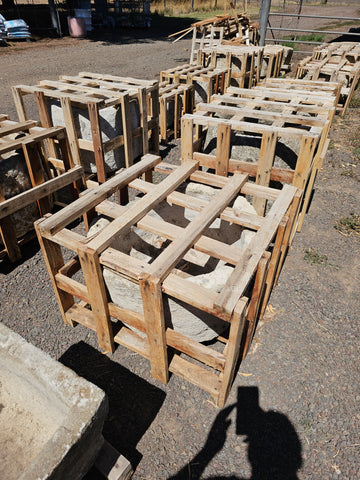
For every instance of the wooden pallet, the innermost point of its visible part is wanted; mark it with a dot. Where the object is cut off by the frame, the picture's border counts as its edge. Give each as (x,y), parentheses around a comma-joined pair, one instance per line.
(334,64)
(58,168)
(93,92)
(239,303)
(215,79)
(266,118)
(175,100)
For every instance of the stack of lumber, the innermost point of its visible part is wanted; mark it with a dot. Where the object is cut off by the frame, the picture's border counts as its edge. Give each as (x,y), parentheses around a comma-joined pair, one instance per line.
(110,121)
(334,63)
(212,31)
(160,281)
(275,135)
(31,171)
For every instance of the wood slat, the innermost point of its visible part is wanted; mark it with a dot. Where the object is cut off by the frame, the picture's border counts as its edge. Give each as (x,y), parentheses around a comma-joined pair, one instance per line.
(244,270)
(142,206)
(70,213)
(23,199)
(174,252)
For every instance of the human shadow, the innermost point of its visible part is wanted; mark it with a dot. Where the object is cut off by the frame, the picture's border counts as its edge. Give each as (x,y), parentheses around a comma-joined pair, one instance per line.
(133,402)
(274,449)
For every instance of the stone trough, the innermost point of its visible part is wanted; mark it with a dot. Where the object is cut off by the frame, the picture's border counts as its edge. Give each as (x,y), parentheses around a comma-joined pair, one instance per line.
(50,418)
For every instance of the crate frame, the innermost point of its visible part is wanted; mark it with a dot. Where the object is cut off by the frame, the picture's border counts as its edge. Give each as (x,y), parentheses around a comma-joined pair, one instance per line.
(59,168)
(190,73)
(171,93)
(255,263)
(93,91)
(260,104)
(249,57)
(331,62)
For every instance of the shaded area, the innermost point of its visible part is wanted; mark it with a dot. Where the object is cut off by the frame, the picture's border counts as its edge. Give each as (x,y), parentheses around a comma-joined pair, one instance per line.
(133,402)
(274,449)
(39,20)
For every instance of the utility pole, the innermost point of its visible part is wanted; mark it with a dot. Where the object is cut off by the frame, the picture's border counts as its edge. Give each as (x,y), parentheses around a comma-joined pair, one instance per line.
(264,18)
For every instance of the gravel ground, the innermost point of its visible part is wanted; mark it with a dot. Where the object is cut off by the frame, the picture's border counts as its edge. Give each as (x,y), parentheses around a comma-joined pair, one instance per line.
(293,409)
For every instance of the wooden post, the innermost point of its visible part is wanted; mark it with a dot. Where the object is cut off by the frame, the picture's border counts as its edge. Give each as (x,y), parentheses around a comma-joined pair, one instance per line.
(93,110)
(54,261)
(232,350)
(91,268)
(155,326)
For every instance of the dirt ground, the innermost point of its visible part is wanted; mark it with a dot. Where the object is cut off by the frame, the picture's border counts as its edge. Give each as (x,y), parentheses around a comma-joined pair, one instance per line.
(293,410)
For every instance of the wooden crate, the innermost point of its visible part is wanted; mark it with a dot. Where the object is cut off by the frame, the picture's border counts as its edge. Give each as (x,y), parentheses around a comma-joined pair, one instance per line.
(206,81)
(48,173)
(340,63)
(239,303)
(175,100)
(212,31)
(318,90)
(92,93)
(244,63)
(270,121)
(349,50)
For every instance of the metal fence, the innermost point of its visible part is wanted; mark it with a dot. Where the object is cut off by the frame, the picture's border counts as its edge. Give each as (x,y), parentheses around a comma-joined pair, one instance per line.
(296,33)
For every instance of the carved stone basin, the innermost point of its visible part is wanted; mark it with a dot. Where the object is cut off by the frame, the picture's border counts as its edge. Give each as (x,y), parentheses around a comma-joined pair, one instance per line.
(50,418)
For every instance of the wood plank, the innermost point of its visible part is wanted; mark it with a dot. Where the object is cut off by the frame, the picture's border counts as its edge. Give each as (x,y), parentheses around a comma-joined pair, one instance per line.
(16,127)
(70,213)
(94,281)
(162,265)
(141,207)
(132,340)
(167,230)
(196,375)
(223,145)
(192,294)
(277,174)
(112,465)
(244,270)
(232,351)
(54,261)
(195,350)
(23,199)
(265,163)
(155,326)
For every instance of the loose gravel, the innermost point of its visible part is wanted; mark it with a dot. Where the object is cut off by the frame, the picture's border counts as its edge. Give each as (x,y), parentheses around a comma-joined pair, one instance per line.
(293,411)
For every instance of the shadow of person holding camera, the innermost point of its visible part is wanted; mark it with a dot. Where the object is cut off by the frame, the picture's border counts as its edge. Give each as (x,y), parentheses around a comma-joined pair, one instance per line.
(274,449)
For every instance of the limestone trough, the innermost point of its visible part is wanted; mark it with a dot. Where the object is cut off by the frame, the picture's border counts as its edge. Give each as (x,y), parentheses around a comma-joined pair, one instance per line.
(50,418)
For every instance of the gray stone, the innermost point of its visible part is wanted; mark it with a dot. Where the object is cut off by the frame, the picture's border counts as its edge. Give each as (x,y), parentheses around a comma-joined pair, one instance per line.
(111,126)
(143,245)
(14,179)
(50,418)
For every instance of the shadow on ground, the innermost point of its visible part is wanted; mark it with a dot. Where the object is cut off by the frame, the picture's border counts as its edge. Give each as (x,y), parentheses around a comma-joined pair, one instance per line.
(160,28)
(274,449)
(133,402)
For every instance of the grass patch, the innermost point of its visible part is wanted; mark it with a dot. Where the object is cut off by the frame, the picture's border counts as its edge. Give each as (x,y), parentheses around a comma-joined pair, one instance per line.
(314,258)
(313,37)
(349,225)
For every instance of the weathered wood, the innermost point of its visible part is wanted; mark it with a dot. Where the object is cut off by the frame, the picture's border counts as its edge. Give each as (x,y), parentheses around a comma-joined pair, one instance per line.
(95,92)
(204,366)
